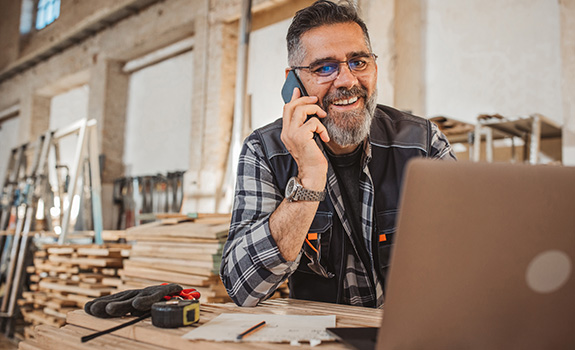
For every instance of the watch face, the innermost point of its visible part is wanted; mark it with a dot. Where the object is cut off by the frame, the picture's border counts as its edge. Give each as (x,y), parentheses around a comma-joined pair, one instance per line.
(290,188)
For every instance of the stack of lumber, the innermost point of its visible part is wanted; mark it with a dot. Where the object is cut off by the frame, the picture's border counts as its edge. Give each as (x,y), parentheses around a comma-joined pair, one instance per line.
(185,251)
(143,335)
(64,278)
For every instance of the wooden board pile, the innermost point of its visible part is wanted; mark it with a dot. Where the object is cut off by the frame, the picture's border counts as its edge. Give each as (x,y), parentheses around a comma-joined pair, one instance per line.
(187,253)
(64,278)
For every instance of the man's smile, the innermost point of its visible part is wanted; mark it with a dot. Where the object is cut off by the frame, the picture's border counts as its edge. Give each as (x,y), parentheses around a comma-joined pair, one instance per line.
(345,102)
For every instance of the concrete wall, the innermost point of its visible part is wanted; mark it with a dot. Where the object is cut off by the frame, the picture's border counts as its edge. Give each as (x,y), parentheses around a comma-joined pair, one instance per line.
(9,27)
(158,123)
(265,105)
(503,58)
(66,109)
(8,140)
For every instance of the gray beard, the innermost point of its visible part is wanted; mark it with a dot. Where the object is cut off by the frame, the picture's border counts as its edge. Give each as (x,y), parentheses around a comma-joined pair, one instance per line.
(350,128)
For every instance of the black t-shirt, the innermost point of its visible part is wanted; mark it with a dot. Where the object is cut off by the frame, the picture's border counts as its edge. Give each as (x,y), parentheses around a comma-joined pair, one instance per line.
(347,168)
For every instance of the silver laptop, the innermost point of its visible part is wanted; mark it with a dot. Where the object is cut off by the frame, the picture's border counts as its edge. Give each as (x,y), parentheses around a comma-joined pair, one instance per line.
(484,259)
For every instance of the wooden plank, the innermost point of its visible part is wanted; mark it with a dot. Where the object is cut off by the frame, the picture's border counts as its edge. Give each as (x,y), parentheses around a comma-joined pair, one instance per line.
(68,337)
(100,251)
(79,299)
(92,285)
(30,344)
(39,317)
(144,332)
(112,282)
(174,221)
(213,245)
(99,262)
(164,239)
(161,264)
(58,303)
(165,248)
(186,229)
(75,289)
(180,254)
(113,235)
(167,276)
(89,277)
(61,251)
(58,313)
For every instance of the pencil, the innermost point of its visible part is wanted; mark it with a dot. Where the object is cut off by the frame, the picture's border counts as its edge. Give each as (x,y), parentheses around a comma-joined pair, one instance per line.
(251,330)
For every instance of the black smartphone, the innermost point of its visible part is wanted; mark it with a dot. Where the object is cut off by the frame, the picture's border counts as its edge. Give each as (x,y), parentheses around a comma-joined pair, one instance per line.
(292,81)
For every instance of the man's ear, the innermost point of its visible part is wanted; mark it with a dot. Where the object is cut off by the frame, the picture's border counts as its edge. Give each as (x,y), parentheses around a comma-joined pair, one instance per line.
(287,72)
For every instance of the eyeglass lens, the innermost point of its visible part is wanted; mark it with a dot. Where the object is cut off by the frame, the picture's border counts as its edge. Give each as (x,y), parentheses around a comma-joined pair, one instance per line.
(326,71)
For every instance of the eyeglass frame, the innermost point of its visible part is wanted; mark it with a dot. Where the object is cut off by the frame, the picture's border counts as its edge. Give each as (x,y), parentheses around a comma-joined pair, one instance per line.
(347,62)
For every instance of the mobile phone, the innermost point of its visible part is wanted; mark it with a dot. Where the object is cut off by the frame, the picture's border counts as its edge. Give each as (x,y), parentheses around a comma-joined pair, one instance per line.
(292,81)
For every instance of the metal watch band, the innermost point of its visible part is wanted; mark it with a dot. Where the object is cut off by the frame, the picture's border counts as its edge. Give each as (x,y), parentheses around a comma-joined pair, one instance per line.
(296,192)
(303,194)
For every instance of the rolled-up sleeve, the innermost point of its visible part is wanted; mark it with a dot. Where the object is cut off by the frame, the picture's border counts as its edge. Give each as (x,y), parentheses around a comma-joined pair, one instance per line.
(440,146)
(252,266)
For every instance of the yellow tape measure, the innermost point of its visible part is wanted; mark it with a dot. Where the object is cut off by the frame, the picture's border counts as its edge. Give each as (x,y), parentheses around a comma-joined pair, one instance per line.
(175,313)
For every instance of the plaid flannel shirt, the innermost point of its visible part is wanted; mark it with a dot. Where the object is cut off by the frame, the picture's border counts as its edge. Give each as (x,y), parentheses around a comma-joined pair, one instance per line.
(252,266)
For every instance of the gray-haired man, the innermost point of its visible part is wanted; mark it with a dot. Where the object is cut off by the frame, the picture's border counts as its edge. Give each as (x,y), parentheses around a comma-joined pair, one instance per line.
(316,198)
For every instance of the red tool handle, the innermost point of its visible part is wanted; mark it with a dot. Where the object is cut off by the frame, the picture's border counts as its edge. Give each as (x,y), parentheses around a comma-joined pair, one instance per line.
(187,294)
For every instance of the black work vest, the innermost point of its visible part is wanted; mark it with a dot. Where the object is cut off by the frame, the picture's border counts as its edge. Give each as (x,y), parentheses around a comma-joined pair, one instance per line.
(395,137)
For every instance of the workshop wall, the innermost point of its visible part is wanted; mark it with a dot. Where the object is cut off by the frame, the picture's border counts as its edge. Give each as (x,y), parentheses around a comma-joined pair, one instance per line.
(8,138)
(158,123)
(65,109)
(266,106)
(503,58)
(452,58)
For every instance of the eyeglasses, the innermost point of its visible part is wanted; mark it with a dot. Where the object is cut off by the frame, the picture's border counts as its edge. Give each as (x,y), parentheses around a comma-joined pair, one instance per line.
(328,70)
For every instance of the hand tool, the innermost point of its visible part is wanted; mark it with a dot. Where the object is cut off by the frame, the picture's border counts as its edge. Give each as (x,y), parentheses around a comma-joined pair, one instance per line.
(175,313)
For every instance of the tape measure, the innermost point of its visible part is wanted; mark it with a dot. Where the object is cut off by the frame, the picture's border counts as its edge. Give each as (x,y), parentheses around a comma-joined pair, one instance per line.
(175,313)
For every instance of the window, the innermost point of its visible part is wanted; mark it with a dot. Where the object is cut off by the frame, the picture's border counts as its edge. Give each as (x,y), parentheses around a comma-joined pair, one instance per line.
(48,11)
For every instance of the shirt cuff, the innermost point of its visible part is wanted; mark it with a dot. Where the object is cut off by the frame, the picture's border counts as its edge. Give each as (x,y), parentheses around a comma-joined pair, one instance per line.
(264,251)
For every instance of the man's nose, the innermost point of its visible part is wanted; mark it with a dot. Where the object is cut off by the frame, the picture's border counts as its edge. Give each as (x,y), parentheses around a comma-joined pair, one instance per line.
(345,77)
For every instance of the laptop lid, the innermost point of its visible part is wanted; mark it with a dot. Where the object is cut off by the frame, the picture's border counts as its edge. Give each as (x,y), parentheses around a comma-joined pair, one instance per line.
(484,259)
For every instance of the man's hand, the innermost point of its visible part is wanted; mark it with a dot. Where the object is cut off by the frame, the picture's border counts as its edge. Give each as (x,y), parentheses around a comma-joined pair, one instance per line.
(290,222)
(298,137)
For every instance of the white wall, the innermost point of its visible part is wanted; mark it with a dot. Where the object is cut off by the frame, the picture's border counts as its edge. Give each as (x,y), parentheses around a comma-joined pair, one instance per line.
(8,140)
(158,117)
(65,110)
(266,72)
(493,57)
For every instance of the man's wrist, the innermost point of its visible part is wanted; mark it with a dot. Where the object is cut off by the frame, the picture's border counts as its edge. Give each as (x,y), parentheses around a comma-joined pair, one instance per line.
(312,179)
(313,183)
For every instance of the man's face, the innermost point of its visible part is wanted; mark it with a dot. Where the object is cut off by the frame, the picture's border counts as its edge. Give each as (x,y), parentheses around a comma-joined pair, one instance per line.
(349,99)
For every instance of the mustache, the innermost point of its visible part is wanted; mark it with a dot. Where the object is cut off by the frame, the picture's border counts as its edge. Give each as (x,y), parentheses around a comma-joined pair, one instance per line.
(343,93)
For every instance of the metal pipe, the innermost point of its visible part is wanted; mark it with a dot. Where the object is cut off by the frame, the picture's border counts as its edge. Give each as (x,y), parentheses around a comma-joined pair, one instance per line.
(240,96)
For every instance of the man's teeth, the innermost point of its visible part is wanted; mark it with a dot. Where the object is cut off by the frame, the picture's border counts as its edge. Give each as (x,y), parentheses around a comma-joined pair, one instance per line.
(345,102)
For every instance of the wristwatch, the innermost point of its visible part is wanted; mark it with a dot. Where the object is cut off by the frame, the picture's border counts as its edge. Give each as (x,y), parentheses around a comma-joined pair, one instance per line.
(295,192)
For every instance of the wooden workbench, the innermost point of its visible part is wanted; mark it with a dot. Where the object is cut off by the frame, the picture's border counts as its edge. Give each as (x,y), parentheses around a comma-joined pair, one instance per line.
(143,335)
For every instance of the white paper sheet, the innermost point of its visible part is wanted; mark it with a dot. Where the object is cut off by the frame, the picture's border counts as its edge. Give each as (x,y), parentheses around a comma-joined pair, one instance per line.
(278,328)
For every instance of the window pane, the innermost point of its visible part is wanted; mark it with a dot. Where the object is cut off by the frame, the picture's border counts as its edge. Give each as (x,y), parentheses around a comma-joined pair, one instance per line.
(48,11)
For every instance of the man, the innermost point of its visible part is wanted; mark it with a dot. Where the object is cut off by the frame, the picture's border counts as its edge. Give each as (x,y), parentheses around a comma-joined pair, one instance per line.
(345,155)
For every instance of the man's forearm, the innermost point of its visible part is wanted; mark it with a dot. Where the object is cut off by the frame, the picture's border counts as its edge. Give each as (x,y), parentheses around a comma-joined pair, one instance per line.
(289,225)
